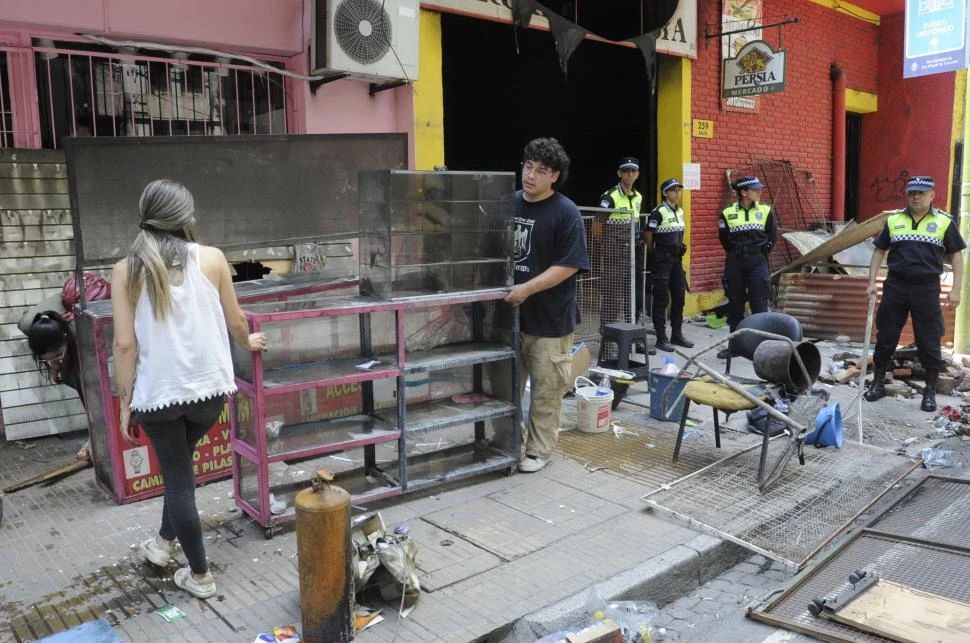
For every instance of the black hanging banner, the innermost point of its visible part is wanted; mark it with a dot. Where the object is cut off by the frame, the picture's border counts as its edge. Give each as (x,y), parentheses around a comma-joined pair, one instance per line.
(567,34)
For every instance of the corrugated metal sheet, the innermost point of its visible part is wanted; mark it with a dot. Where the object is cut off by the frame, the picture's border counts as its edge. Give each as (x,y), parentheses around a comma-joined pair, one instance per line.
(829,305)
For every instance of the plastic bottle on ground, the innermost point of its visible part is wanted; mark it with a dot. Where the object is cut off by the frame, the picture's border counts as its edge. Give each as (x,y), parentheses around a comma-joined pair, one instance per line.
(670,367)
(605,386)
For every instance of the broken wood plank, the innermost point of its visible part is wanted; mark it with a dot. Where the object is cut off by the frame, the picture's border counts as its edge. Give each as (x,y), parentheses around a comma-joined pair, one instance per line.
(53,474)
(868,228)
(906,614)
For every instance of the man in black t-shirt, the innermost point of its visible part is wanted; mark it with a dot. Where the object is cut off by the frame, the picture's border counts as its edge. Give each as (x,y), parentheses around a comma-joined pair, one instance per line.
(549,249)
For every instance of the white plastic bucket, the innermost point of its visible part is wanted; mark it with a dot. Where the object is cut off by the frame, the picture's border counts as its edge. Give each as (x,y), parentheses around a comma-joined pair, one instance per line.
(593,407)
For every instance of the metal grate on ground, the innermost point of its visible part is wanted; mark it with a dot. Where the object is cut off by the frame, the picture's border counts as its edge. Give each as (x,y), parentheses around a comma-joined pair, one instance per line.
(937,511)
(796,515)
(924,520)
(643,454)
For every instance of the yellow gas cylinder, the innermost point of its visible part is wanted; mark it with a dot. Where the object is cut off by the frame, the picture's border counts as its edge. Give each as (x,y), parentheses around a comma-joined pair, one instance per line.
(323,548)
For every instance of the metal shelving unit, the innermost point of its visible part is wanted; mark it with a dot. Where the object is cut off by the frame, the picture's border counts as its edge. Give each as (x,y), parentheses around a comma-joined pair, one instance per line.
(414,418)
(413,382)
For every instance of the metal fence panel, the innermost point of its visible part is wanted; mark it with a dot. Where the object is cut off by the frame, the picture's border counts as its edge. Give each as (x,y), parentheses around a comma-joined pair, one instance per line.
(607,294)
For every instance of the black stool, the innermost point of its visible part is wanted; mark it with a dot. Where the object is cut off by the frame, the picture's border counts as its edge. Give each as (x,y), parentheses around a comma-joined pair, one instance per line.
(624,336)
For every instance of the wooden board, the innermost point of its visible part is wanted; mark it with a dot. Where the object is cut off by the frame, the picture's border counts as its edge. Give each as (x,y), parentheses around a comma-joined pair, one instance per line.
(907,615)
(838,243)
(53,474)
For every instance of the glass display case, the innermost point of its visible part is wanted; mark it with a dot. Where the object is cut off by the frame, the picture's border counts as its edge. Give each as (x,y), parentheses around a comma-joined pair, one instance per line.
(434,232)
(130,473)
(391,396)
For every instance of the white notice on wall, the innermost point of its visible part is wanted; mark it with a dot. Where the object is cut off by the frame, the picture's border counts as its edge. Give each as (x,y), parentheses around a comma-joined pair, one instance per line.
(692,176)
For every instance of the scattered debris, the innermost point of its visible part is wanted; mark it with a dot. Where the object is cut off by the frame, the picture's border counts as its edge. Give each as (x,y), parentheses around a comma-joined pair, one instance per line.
(170,613)
(366,617)
(939,459)
(281,634)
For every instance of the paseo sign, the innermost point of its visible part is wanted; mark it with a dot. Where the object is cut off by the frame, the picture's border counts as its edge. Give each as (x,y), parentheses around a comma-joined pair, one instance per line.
(757,69)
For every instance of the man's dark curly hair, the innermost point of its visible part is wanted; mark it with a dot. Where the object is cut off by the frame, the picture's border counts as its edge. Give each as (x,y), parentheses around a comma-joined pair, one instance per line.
(550,153)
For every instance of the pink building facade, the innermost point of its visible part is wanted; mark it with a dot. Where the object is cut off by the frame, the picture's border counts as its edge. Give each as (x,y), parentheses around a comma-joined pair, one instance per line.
(56,53)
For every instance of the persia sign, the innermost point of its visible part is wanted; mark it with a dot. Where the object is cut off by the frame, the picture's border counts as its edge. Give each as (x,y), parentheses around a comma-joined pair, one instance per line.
(757,69)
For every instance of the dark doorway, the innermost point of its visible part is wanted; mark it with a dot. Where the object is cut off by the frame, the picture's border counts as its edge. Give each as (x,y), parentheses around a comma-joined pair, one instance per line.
(497,99)
(853,164)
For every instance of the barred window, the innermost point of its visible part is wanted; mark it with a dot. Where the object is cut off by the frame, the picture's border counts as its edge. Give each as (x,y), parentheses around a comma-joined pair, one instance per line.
(6,107)
(91,91)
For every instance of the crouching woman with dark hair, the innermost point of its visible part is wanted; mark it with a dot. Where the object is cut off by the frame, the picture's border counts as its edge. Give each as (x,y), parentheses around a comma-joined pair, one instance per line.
(54,347)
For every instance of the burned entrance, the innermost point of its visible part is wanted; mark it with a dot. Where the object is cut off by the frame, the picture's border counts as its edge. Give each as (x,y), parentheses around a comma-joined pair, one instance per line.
(496,100)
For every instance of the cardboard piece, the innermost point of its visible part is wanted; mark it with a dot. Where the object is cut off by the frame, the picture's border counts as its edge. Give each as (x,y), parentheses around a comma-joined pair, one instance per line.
(582,360)
(906,614)
(605,631)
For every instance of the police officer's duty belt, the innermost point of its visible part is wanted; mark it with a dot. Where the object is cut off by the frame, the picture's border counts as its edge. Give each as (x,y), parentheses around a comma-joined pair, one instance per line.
(914,281)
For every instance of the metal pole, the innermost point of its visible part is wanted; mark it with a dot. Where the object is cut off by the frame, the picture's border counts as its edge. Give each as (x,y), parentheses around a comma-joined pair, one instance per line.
(633,270)
(865,362)
(961,327)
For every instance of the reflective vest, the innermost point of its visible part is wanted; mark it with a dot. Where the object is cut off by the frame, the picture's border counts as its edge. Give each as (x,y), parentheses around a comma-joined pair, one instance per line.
(738,221)
(623,201)
(930,229)
(670,220)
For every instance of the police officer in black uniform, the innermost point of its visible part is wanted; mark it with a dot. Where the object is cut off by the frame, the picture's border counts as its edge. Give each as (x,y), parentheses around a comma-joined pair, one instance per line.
(664,238)
(748,230)
(918,239)
(624,196)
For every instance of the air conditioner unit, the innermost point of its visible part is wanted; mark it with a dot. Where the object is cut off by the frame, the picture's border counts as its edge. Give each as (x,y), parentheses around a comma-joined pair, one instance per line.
(372,39)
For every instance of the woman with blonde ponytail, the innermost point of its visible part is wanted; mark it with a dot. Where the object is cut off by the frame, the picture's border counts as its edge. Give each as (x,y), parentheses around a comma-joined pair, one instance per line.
(174,310)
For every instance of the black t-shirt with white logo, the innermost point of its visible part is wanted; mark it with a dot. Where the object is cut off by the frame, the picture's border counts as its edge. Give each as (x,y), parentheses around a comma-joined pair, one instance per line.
(549,233)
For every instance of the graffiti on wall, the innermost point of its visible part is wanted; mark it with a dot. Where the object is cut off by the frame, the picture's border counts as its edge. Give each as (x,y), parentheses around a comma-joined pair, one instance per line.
(886,189)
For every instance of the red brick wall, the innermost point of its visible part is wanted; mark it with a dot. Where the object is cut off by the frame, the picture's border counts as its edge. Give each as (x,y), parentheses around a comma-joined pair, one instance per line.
(910,134)
(794,126)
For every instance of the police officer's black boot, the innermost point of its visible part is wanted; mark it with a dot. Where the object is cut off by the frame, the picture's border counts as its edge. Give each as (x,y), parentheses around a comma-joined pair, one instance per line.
(677,336)
(877,389)
(662,342)
(929,393)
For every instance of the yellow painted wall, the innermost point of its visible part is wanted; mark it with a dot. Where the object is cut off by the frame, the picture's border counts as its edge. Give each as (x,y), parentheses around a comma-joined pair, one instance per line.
(429,107)
(859,102)
(852,10)
(674,146)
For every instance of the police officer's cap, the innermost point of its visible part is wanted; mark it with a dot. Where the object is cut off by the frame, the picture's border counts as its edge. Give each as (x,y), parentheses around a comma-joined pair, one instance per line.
(920,184)
(629,163)
(670,184)
(748,183)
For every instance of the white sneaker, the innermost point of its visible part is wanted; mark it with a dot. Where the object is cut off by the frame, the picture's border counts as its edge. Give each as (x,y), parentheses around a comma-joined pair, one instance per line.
(156,554)
(531,464)
(200,589)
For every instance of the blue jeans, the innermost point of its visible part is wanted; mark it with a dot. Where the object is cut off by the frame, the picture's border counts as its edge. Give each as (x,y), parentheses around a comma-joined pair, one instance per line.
(174,432)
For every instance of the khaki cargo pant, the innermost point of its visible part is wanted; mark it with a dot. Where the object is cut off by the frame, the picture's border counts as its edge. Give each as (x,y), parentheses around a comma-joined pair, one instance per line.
(548,361)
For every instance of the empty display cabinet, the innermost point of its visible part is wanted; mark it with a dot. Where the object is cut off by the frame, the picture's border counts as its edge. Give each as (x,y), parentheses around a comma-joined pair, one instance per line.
(389,395)
(434,232)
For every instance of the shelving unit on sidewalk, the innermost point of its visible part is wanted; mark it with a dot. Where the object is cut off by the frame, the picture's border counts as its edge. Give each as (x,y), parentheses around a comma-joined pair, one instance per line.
(347,375)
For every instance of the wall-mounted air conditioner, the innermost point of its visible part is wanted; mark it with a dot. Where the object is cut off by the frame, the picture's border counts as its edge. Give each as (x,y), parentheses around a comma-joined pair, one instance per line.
(373,39)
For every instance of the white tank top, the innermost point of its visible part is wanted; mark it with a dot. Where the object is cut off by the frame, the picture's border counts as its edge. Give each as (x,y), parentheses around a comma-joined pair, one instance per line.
(184,357)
